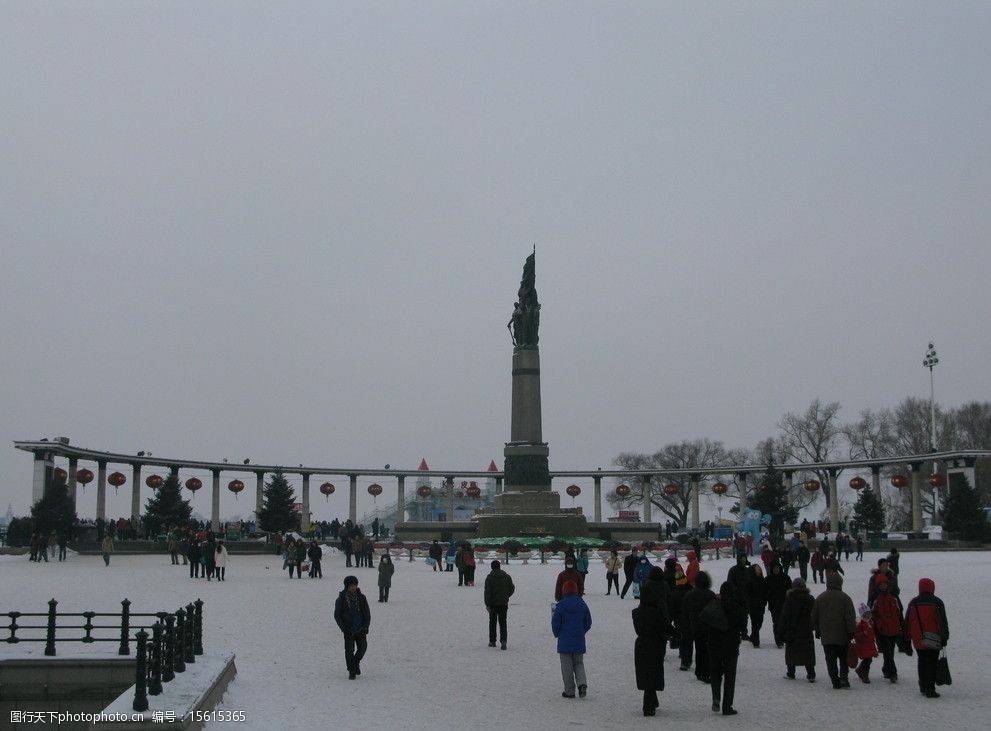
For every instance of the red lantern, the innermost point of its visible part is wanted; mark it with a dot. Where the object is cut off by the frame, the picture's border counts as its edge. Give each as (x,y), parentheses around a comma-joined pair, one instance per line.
(937,480)
(423,491)
(720,488)
(193,484)
(858,483)
(235,486)
(622,490)
(811,485)
(154,481)
(116,479)
(473,491)
(375,489)
(671,489)
(84,476)
(573,490)
(327,489)
(899,481)
(60,474)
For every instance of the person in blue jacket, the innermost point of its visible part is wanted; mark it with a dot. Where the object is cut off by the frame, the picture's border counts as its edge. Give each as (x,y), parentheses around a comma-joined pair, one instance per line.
(640,573)
(569,623)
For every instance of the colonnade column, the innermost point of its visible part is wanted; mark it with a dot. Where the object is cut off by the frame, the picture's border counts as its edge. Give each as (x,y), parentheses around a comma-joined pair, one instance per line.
(693,489)
(304,519)
(876,480)
(916,468)
(788,479)
(70,485)
(215,509)
(101,490)
(597,480)
(449,482)
(259,492)
(647,504)
(834,502)
(401,500)
(741,482)
(42,474)
(135,496)
(353,499)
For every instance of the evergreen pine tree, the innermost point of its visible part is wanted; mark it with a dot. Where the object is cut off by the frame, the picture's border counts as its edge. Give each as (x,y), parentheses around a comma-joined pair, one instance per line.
(277,514)
(771,498)
(167,509)
(868,512)
(54,511)
(963,514)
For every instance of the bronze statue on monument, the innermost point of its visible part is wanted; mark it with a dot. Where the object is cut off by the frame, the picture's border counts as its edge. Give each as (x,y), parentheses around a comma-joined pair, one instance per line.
(525,322)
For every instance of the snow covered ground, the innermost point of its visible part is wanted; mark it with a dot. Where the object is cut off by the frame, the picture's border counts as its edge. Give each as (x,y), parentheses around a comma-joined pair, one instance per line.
(429,666)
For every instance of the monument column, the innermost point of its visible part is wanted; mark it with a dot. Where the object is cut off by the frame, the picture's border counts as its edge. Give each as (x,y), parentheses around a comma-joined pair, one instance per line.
(101,490)
(136,497)
(304,519)
(647,502)
(498,488)
(741,482)
(215,507)
(259,492)
(401,500)
(916,468)
(353,499)
(71,482)
(597,480)
(834,502)
(693,488)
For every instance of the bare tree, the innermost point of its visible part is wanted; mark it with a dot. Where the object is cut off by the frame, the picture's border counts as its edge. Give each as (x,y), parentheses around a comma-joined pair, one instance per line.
(972,425)
(872,435)
(813,436)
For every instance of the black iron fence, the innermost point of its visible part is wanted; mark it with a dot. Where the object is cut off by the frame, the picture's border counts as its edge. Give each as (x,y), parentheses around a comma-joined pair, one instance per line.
(176,639)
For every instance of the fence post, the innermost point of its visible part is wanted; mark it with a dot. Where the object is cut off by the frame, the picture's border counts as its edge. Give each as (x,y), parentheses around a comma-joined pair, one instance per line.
(168,665)
(198,636)
(155,683)
(50,635)
(141,674)
(125,628)
(188,655)
(180,640)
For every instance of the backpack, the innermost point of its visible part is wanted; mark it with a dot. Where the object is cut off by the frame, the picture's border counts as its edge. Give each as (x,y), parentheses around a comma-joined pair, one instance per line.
(714,616)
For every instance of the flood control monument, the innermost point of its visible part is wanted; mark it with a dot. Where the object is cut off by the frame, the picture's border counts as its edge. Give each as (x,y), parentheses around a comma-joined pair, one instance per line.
(527,505)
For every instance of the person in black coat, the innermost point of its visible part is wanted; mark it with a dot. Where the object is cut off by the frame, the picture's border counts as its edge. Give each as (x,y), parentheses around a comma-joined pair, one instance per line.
(315,554)
(741,577)
(777,584)
(795,626)
(725,619)
(300,558)
(652,623)
(353,617)
(629,565)
(691,608)
(756,602)
(195,553)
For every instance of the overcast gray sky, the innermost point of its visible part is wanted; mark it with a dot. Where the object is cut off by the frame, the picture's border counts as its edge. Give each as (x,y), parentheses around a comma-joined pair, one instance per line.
(294,232)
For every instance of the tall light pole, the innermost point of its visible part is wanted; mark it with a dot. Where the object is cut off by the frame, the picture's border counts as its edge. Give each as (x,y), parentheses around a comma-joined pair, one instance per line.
(930,362)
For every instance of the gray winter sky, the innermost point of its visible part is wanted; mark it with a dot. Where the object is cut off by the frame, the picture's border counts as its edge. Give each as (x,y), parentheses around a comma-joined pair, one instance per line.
(294,232)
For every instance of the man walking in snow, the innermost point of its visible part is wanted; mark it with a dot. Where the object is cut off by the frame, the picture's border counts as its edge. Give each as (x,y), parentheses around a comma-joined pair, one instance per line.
(498,588)
(353,617)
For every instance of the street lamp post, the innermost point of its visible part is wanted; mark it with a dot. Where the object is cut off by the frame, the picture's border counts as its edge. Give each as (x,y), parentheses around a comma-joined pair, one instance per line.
(930,362)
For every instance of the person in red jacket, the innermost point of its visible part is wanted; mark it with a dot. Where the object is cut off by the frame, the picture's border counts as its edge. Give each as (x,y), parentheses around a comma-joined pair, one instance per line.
(926,621)
(866,645)
(888,626)
(693,567)
(570,573)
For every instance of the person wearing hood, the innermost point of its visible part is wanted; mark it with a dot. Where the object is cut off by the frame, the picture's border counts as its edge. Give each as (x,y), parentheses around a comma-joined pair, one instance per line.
(866,644)
(570,573)
(651,624)
(353,617)
(691,609)
(693,568)
(570,622)
(640,575)
(777,584)
(835,620)
(725,620)
(795,626)
(220,560)
(886,612)
(925,620)
(681,640)
(386,570)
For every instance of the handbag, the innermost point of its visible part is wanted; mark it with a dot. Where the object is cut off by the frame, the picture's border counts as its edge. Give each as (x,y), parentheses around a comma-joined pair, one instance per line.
(943,670)
(431,561)
(932,641)
(851,655)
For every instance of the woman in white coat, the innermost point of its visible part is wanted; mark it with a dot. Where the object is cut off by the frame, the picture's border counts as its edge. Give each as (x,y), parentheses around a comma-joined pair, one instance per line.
(221,560)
